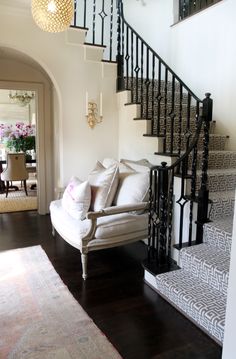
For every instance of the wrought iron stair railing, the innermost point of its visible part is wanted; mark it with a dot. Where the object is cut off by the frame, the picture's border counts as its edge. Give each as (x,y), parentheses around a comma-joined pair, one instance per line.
(191,7)
(175,115)
(99,18)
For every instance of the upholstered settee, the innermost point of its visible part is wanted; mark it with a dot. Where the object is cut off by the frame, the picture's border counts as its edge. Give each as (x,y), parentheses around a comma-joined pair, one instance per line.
(123,221)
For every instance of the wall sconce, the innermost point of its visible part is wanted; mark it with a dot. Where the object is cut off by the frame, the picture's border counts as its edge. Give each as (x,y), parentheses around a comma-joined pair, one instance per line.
(92,112)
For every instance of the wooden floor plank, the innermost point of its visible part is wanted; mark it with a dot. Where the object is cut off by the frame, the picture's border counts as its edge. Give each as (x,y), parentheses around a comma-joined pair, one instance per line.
(139,323)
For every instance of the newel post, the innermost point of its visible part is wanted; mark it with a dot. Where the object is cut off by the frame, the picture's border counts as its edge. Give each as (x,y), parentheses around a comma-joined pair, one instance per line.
(119,57)
(203,194)
(163,207)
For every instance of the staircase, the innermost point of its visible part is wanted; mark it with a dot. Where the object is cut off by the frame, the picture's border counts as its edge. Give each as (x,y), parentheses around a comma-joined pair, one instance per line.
(199,288)
(180,131)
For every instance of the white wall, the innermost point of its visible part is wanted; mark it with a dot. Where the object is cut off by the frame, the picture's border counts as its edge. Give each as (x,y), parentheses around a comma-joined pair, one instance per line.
(152,22)
(230,325)
(201,49)
(78,147)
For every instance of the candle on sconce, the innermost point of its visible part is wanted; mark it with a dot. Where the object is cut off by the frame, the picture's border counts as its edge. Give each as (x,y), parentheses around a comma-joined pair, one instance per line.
(101,104)
(86,104)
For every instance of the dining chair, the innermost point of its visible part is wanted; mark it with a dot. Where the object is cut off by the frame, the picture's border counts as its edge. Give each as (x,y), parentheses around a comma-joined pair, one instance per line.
(15,170)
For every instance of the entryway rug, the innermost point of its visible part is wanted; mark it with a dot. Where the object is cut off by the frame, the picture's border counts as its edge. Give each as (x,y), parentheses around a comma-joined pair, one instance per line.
(18,201)
(39,317)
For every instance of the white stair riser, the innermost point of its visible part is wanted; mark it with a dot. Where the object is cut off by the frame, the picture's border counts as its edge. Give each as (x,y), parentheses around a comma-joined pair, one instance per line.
(75,36)
(93,53)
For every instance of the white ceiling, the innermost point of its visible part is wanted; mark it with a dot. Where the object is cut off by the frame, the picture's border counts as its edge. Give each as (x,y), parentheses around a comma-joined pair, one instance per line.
(16,3)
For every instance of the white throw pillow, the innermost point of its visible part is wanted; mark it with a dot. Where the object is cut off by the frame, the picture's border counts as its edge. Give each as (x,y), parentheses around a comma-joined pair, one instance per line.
(133,188)
(76,198)
(123,167)
(104,182)
(139,166)
(108,162)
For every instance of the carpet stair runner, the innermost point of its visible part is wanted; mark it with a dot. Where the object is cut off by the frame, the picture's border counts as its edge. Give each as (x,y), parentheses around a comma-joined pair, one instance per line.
(199,288)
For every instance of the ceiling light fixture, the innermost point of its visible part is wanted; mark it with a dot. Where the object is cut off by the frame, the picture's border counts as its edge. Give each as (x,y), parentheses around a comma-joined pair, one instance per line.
(52,15)
(21,98)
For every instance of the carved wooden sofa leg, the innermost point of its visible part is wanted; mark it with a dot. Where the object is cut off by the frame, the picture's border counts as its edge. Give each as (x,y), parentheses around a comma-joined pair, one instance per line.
(53,231)
(84,261)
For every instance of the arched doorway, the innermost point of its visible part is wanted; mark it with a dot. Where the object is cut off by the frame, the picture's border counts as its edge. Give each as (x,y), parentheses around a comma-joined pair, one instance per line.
(20,72)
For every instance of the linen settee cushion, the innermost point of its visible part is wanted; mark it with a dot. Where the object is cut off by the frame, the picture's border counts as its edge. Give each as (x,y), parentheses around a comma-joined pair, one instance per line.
(110,228)
(104,182)
(121,224)
(76,198)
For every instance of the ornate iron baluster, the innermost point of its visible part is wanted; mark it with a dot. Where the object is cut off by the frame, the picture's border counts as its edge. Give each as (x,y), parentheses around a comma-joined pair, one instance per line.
(193,183)
(151,212)
(127,57)
(75,13)
(163,183)
(94,20)
(182,202)
(122,39)
(170,213)
(132,66)
(179,144)
(188,132)
(85,13)
(172,115)
(153,91)
(142,82)
(159,98)
(165,109)
(111,30)
(119,58)
(137,69)
(147,83)
(103,15)
(153,233)
(203,195)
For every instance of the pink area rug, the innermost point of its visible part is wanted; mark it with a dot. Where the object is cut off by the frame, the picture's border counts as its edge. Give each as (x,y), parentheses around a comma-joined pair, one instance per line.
(39,318)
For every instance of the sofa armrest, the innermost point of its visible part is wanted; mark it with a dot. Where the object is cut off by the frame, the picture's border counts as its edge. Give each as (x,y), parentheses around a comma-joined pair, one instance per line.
(117,209)
(59,192)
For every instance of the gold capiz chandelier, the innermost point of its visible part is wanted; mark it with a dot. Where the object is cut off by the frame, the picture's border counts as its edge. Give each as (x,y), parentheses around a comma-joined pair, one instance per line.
(52,15)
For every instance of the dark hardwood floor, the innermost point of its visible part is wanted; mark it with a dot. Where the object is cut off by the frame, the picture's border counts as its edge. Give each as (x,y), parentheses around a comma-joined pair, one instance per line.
(139,323)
